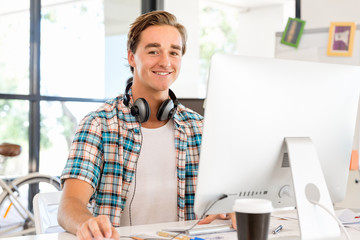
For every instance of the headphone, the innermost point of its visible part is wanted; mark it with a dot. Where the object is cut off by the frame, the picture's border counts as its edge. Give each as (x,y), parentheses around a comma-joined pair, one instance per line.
(141,109)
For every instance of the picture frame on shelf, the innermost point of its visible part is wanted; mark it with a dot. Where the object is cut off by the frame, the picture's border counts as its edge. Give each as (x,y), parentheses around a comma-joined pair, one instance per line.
(341,38)
(293,32)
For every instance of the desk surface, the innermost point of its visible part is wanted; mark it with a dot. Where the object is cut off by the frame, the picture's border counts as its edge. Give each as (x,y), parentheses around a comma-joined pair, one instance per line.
(290,231)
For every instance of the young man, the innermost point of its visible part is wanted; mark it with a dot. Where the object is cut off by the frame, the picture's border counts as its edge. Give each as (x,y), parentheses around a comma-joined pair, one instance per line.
(135,159)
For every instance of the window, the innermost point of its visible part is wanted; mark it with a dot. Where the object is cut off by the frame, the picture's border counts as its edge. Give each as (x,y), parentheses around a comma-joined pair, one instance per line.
(14,47)
(237,27)
(59,121)
(82,63)
(14,79)
(218,33)
(14,128)
(73,49)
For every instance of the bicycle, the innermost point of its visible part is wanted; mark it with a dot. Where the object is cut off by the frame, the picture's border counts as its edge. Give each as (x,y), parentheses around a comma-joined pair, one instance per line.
(14,197)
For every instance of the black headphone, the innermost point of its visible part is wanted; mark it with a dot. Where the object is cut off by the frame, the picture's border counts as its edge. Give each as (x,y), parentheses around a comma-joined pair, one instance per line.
(141,109)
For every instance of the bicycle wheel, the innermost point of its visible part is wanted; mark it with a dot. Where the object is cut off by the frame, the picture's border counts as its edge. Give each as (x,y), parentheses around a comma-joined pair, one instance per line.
(18,220)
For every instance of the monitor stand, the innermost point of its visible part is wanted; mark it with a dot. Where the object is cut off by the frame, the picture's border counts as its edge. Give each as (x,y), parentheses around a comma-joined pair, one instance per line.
(309,184)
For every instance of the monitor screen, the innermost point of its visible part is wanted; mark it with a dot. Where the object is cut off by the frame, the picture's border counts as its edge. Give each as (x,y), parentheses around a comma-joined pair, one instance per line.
(252,104)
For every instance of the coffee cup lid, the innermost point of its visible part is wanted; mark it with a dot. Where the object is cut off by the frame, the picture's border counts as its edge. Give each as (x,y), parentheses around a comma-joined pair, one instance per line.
(253,205)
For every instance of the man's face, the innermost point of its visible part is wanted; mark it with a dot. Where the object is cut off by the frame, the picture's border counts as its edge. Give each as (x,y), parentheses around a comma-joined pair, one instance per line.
(157,59)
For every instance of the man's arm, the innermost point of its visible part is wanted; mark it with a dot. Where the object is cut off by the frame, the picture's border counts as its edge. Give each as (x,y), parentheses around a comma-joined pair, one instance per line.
(226,216)
(74,216)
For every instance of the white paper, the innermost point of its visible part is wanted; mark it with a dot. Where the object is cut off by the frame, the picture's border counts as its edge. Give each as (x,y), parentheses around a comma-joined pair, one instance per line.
(347,216)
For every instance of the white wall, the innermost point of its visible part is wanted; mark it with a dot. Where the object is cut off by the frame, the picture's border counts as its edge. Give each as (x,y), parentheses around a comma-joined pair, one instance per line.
(187,12)
(118,14)
(319,13)
(257,30)
(258,26)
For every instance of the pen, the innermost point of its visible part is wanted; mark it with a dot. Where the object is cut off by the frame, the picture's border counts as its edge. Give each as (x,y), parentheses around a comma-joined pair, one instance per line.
(278,229)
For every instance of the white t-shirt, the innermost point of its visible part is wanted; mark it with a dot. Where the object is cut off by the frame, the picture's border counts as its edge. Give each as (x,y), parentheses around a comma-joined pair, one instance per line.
(155,198)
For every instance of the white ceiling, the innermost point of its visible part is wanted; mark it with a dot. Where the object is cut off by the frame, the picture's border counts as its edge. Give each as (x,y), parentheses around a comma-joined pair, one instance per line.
(9,6)
(247,3)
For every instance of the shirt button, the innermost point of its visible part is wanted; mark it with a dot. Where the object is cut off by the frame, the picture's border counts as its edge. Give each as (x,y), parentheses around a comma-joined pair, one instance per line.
(137,147)
(128,179)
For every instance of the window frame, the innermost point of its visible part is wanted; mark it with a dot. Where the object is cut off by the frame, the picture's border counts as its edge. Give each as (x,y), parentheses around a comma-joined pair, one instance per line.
(34,97)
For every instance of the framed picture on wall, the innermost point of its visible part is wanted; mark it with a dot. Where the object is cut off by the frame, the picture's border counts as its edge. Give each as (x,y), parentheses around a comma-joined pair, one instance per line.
(341,38)
(293,31)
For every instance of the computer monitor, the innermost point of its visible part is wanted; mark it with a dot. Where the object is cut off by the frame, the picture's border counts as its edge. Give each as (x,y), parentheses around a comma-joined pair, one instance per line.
(252,105)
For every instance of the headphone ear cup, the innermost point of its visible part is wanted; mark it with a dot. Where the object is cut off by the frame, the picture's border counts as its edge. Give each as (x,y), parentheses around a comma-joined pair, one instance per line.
(165,110)
(142,110)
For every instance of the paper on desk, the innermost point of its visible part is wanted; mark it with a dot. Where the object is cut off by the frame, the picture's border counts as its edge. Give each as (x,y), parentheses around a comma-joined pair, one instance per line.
(151,235)
(220,236)
(286,215)
(290,228)
(202,229)
(347,216)
(353,226)
(217,236)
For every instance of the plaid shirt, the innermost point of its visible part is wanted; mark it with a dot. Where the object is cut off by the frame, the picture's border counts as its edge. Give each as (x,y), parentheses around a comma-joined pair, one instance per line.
(106,148)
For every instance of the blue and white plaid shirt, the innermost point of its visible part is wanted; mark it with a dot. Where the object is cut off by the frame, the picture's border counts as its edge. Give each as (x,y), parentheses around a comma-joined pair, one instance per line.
(106,148)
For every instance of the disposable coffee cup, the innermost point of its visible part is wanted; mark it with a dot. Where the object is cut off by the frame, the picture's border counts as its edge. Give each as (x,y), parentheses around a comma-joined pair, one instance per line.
(252,218)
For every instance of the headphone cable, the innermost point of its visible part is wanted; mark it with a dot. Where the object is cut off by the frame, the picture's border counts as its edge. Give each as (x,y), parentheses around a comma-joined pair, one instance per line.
(133,196)
(223,196)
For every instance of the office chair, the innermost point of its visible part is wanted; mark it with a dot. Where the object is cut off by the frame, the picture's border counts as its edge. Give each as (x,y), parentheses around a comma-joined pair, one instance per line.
(45,212)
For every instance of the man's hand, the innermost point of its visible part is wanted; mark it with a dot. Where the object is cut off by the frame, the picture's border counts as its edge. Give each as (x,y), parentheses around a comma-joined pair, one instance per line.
(75,217)
(97,228)
(223,216)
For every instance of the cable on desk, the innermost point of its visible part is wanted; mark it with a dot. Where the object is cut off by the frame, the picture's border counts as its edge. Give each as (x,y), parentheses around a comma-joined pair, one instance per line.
(203,215)
(331,214)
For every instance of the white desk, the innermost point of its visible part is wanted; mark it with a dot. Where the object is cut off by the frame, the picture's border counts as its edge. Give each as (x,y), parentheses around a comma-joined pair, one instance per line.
(290,231)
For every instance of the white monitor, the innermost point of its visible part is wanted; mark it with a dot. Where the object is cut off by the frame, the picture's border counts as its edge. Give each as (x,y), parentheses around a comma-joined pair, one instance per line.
(252,104)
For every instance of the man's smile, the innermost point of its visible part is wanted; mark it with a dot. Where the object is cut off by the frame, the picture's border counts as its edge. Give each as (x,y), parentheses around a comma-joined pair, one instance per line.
(162,73)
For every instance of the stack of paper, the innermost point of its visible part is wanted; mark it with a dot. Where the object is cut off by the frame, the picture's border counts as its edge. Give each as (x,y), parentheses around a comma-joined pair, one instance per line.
(349,218)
